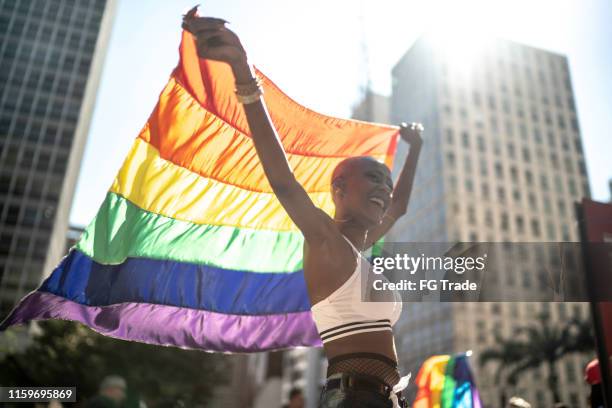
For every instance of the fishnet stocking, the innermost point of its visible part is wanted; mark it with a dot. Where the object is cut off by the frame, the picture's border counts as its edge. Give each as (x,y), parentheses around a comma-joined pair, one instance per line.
(364,365)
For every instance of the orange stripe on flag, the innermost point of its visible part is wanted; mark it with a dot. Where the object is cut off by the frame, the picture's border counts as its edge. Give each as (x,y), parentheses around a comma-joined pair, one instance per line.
(301,130)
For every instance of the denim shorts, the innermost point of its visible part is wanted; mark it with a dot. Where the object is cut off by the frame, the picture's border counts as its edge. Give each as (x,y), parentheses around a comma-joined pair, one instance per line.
(351,398)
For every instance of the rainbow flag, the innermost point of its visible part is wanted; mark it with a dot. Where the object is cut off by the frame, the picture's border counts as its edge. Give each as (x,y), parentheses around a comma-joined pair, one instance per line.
(191,248)
(446,382)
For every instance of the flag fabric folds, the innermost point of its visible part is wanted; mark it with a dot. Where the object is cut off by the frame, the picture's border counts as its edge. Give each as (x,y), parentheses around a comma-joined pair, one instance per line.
(191,248)
(446,382)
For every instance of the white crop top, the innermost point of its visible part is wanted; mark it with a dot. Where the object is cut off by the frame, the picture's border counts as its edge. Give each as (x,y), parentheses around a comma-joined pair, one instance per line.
(344,313)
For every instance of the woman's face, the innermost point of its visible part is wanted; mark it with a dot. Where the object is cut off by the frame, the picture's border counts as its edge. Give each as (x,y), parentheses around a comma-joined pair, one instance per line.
(363,192)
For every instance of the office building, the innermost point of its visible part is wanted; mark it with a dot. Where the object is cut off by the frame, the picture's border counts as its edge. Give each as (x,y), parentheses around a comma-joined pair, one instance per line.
(502,162)
(51,60)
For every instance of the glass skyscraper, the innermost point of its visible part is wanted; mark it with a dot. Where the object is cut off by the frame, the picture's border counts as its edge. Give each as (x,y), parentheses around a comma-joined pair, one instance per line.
(51,57)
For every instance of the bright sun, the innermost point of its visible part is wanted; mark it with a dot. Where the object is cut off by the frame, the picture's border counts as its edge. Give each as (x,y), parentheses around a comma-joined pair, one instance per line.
(461,32)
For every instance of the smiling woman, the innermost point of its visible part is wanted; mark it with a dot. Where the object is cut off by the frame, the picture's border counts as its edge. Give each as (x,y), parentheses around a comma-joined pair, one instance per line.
(357,336)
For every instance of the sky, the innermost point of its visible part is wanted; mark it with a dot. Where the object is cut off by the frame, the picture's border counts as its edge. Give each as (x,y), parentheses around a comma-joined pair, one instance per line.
(320,51)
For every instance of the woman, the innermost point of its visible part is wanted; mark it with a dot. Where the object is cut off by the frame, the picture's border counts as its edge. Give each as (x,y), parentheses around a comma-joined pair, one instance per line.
(357,337)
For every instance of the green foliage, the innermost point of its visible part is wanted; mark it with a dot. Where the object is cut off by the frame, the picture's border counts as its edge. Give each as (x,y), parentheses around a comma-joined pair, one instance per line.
(539,344)
(69,354)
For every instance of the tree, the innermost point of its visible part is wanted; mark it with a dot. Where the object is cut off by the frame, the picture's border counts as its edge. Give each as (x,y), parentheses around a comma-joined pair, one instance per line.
(540,344)
(69,354)
(507,353)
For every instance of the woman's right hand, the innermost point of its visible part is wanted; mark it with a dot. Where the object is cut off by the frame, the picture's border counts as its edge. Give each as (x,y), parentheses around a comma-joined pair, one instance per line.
(214,40)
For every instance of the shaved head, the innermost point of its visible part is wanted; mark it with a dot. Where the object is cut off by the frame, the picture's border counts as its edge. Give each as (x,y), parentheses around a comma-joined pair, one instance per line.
(350,164)
(361,189)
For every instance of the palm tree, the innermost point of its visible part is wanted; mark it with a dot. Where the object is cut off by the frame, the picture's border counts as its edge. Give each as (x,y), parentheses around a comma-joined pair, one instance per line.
(508,353)
(541,344)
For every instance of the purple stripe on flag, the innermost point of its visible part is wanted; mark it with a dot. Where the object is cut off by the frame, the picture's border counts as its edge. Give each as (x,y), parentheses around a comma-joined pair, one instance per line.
(175,326)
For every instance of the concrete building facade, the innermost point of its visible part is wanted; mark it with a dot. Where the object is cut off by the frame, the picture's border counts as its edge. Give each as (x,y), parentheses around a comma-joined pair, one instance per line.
(52,54)
(502,162)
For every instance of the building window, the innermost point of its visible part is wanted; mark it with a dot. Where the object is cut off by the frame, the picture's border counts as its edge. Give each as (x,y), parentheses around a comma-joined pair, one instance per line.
(450,156)
(483,166)
(469,186)
(526,279)
(529,177)
(471,215)
(520,224)
(550,230)
(481,143)
(492,102)
(532,200)
(452,180)
(485,190)
(466,139)
(547,118)
(537,136)
(551,139)
(535,227)
(12,215)
(568,165)
(561,122)
(30,216)
(565,233)
(501,194)
(506,106)
(554,159)
(578,146)
(526,155)
(499,170)
(504,222)
(544,182)
(467,164)
(558,184)
(494,127)
(449,136)
(582,168)
(514,174)
(572,188)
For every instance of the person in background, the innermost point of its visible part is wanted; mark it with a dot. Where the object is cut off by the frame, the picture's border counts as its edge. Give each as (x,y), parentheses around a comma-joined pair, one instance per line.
(296,398)
(112,393)
(592,375)
(518,402)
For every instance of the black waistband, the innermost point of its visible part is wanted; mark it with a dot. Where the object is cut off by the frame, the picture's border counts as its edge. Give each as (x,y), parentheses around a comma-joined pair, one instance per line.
(374,356)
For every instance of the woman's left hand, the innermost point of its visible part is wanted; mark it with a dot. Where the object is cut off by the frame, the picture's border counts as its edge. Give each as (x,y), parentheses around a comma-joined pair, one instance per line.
(411,133)
(214,40)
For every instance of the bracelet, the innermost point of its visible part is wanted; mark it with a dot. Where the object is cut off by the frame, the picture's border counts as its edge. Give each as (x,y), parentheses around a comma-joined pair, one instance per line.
(252,98)
(249,92)
(249,87)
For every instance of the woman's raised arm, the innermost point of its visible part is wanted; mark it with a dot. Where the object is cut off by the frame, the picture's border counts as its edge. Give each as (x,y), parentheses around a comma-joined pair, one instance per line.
(411,134)
(215,41)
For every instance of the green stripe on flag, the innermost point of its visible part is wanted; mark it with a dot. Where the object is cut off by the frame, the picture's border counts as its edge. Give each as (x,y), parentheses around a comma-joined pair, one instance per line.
(448,391)
(122,229)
